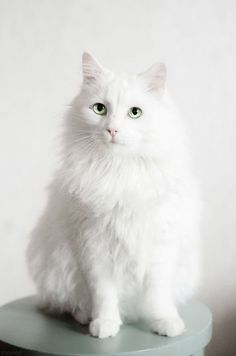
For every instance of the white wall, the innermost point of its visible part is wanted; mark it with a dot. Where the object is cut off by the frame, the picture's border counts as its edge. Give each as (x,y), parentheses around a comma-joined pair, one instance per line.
(41,43)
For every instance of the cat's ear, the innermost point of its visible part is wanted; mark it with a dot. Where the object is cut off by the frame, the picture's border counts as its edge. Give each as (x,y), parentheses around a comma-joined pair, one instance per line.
(92,70)
(155,77)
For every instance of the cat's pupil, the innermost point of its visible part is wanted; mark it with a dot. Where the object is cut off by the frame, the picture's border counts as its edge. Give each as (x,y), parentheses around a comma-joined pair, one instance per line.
(99,107)
(134,111)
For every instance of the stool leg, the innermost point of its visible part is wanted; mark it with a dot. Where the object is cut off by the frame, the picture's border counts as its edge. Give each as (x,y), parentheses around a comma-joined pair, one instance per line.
(198,353)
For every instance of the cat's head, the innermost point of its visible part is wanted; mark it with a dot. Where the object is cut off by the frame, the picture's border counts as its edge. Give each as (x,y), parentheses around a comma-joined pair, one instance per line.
(122,112)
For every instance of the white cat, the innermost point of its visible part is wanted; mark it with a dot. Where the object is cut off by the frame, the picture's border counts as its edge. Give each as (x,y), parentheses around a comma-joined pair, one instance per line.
(119,237)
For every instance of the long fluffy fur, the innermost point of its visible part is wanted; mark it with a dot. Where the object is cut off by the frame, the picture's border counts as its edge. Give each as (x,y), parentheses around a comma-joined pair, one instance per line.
(120,212)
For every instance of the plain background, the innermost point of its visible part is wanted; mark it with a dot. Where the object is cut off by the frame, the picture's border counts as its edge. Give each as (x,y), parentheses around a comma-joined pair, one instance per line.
(41,43)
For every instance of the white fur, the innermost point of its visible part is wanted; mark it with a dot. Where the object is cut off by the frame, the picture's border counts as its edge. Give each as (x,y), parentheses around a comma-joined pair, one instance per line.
(119,236)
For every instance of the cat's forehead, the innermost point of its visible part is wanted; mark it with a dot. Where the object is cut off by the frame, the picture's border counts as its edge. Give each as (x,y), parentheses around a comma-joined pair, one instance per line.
(121,87)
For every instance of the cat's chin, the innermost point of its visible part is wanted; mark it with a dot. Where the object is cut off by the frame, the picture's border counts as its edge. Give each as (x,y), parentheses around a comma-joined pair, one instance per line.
(117,147)
(114,142)
(120,149)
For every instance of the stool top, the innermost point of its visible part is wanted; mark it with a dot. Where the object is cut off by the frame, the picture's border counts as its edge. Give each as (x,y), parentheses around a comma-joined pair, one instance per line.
(24,326)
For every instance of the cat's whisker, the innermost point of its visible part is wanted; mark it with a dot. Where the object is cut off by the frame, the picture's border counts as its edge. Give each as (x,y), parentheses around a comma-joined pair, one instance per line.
(88,147)
(82,139)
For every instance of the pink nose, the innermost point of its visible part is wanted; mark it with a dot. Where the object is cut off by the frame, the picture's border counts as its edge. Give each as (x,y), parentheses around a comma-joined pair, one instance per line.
(112,132)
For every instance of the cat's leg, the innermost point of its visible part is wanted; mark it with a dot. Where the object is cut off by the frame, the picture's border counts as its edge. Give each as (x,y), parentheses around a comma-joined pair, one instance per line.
(159,305)
(96,265)
(82,313)
(106,319)
(105,314)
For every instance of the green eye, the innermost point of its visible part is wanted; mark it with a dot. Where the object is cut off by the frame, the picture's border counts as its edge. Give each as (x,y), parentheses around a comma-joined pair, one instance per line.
(99,109)
(134,112)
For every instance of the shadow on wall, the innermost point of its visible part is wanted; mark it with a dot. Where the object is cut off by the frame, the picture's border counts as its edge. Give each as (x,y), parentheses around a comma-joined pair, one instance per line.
(224,336)
(218,284)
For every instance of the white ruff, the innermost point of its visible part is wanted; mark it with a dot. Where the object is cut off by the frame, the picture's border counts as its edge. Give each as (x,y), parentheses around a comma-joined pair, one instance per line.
(119,236)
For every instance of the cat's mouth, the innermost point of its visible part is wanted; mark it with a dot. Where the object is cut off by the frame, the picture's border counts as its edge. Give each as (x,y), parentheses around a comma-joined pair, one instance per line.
(113,141)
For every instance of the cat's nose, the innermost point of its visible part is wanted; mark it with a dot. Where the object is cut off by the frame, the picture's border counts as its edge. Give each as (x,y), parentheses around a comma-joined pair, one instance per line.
(112,131)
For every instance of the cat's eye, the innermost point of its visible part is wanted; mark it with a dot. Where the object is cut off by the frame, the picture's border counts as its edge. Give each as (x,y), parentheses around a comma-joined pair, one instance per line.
(99,109)
(134,112)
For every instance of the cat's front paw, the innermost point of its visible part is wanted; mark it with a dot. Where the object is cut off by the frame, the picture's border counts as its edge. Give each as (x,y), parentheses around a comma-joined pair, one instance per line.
(168,326)
(103,328)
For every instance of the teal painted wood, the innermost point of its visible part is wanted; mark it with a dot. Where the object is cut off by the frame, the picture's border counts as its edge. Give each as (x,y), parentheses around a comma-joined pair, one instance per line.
(26,329)
(198,353)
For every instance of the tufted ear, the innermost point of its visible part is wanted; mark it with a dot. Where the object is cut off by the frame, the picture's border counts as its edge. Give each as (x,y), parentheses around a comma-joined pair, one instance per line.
(91,68)
(155,77)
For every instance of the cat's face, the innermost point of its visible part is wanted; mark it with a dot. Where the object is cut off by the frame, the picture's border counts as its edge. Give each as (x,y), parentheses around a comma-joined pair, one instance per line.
(120,112)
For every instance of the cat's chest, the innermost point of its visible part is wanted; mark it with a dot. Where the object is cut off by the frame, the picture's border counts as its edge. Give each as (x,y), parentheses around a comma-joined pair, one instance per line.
(129,186)
(121,231)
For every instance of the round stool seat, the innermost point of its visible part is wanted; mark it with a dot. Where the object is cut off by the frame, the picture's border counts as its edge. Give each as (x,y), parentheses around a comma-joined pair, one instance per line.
(25,328)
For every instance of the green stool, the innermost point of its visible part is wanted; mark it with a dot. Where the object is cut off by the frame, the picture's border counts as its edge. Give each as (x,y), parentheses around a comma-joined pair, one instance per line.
(24,330)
